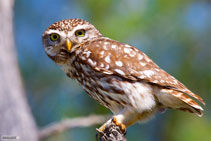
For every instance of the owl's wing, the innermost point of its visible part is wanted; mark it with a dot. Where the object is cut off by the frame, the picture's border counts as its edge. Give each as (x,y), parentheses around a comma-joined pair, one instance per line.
(115,58)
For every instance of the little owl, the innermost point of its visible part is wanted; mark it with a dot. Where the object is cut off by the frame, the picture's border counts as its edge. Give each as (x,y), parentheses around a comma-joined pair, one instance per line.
(117,75)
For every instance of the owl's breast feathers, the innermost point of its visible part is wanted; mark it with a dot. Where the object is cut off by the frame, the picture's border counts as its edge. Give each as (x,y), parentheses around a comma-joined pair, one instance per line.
(114,58)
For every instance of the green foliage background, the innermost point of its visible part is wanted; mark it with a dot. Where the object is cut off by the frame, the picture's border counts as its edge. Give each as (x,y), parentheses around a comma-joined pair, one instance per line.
(175,34)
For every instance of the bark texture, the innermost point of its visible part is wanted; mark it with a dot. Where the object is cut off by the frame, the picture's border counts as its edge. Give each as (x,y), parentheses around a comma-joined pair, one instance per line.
(15,114)
(111,133)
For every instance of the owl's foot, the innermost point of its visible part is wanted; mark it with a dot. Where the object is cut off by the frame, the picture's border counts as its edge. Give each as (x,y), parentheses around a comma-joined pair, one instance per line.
(111,130)
(102,128)
(119,124)
(115,121)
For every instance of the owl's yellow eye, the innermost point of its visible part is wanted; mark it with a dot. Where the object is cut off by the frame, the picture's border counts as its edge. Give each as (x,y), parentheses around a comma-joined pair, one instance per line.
(80,33)
(54,37)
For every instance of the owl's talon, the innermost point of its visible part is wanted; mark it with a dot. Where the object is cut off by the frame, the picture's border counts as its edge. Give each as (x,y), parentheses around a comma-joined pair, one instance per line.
(102,128)
(98,135)
(120,125)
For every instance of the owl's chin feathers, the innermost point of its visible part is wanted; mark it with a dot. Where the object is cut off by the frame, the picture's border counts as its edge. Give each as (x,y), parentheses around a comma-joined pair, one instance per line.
(60,57)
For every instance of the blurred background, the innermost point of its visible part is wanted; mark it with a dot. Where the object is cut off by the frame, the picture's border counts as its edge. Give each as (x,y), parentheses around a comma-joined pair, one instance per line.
(175,34)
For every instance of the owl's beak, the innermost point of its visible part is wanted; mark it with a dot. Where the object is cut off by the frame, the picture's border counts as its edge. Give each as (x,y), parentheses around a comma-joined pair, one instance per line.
(68,45)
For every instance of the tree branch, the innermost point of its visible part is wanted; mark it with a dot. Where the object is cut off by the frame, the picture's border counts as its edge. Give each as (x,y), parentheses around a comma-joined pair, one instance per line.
(66,124)
(111,133)
(16,119)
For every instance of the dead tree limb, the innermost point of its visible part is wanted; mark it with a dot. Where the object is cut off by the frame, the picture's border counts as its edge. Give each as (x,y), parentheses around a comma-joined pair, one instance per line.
(16,120)
(67,124)
(111,133)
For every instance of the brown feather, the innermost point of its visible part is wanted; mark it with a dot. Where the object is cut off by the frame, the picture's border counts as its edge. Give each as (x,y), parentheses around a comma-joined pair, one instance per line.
(135,64)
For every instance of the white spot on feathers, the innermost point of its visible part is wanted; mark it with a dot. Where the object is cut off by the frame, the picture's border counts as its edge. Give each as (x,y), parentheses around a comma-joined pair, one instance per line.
(113,46)
(102,52)
(127,45)
(142,76)
(126,50)
(101,65)
(106,43)
(91,62)
(148,73)
(107,59)
(157,69)
(175,81)
(107,67)
(119,71)
(155,81)
(143,64)
(119,63)
(162,81)
(88,53)
(147,59)
(140,57)
(83,58)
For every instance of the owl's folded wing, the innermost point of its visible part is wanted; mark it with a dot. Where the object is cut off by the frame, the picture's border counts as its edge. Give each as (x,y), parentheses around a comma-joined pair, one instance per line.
(115,58)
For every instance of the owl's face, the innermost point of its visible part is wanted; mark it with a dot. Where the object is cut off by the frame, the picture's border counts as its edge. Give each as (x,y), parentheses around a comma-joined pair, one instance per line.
(64,37)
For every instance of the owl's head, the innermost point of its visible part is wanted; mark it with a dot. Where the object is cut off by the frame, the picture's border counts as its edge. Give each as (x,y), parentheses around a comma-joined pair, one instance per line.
(64,37)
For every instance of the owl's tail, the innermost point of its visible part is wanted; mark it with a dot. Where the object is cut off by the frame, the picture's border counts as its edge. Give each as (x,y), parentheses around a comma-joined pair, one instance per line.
(180,101)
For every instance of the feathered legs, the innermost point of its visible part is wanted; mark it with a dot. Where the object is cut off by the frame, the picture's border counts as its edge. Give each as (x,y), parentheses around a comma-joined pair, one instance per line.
(126,118)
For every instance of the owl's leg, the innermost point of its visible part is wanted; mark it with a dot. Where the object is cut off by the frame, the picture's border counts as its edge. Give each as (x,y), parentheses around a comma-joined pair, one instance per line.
(120,124)
(119,119)
(128,117)
(102,128)
(123,119)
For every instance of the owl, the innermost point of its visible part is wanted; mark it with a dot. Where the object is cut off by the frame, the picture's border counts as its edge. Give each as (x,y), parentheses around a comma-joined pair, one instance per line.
(115,74)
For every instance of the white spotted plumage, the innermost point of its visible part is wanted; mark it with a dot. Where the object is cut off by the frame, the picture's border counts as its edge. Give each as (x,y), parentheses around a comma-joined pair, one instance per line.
(117,75)
(118,63)
(107,59)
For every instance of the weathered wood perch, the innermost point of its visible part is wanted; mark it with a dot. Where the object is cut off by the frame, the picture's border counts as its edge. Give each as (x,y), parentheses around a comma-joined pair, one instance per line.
(16,120)
(111,133)
(68,124)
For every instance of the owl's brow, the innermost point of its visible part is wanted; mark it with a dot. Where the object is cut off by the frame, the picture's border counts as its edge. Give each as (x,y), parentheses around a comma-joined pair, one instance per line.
(85,28)
(88,28)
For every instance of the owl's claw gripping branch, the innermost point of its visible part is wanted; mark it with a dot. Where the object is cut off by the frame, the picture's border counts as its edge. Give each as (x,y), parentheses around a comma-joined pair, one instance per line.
(116,122)
(121,125)
(102,128)
(112,130)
